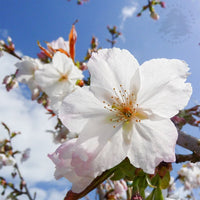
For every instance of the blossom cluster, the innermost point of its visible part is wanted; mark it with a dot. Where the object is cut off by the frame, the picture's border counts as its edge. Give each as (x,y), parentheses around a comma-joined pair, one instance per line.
(124,114)
(57,78)
(190,175)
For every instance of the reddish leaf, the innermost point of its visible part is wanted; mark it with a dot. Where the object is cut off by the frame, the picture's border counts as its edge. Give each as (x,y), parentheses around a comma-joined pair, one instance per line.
(72,41)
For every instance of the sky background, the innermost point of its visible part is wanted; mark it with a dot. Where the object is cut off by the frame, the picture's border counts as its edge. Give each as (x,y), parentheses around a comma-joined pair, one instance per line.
(175,35)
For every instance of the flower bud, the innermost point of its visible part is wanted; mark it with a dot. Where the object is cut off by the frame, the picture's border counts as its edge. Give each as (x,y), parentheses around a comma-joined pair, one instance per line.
(9,39)
(136,196)
(35,93)
(162,3)
(80,83)
(7,79)
(83,66)
(2,43)
(154,15)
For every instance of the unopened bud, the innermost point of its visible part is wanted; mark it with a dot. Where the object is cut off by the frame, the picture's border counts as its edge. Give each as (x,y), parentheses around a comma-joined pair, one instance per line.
(9,39)
(136,196)
(35,93)
(79,2)
(83,66)
(14,84)
(162,3)
(2,43)
(154,16)
(7,79)
(80,83)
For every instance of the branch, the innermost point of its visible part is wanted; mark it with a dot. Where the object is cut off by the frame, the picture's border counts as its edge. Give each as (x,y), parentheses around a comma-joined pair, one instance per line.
(189,142)
(191,157)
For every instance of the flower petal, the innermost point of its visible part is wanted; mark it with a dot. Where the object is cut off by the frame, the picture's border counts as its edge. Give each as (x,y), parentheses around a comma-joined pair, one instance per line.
(62,159)
(152,143)
(163,88)
(111,68)
(98,150)
(62,63)
(78,107)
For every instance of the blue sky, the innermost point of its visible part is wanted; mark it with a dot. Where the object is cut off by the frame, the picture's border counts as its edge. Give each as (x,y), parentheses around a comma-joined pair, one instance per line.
(175,35)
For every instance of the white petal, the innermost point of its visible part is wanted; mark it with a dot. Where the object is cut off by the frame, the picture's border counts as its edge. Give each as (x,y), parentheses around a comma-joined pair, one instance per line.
(62,63)
(109,68)
(163,88)
(99,147)
(78,107)
(152,143)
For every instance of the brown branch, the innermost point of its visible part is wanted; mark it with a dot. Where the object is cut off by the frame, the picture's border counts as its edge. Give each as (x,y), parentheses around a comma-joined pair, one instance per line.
(189,142)
(190,157)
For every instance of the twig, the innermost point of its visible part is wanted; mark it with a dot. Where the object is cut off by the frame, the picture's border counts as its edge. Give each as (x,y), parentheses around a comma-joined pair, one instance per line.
(191,157)
(189,142)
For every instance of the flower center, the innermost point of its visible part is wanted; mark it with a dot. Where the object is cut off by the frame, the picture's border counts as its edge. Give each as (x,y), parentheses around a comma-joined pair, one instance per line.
(124,108)
(63,77)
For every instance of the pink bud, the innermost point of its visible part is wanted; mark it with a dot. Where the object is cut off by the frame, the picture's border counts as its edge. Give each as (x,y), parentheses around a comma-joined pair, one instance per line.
(154,16)
(35,93)
(136,196)
(7,79)
(83,66)
(162,3)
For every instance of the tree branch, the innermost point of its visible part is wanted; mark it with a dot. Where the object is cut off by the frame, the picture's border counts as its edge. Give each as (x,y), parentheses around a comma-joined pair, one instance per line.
(189,142)
(190,157)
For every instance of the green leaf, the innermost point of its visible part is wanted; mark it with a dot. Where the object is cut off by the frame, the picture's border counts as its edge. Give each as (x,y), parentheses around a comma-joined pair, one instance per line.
(124,170)
(158,194)
(6,127)
(118,174)
(151,196)
(164,182)
(155,180)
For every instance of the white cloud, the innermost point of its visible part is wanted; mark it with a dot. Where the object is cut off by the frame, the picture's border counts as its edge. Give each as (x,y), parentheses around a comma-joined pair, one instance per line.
(127,12)
(26,116)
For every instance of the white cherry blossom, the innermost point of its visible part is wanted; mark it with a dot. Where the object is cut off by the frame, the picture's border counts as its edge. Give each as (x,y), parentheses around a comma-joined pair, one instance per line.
(6,161)
(26,73)
(190,175)
(58,78)
(126,112)
(60,43)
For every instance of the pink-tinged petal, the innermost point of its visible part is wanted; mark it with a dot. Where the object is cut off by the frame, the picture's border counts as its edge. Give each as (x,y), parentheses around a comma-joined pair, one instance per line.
(78,107)
(111,68)
(60,43)
(62,159)
(163,88)
(152,143)
(99,150)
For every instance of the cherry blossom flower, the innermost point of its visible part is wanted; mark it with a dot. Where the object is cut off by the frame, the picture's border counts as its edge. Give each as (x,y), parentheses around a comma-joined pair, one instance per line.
(126,112)
(120,188)
(58,79)
(6,161)
(26,73)
(190,175)
(62,159)
(25,155)
(60,43)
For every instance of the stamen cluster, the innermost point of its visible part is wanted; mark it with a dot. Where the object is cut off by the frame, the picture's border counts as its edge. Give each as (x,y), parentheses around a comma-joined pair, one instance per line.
(123,106)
